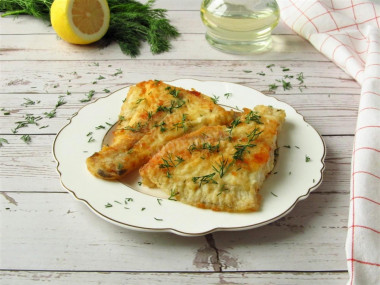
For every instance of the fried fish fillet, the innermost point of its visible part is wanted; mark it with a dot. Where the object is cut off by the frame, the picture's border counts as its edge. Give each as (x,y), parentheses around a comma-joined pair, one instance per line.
(219,167)
(153,114)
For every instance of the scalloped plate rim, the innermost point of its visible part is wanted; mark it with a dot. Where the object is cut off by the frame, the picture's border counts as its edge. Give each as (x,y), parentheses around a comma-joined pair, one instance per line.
(170,229)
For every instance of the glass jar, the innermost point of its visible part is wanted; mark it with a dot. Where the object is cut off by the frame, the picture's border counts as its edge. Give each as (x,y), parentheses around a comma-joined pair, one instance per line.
(240,26)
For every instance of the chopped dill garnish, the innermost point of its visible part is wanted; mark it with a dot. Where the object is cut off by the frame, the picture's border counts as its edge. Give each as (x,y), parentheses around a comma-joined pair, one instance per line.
(127,200)
(51,114)
(215,99)
(169,163)
(286,85)
(173,193)
(222,189)
(139,100)
(221,166)
(89,96)
(2,140)
(26,138)
(29,102)
(273,87)
(300,77)
(233,125)
(174,104)
(254,135)
(181,124)
(174,92)
(205,179)
(192,147)
(210,147)
(118,72)
(253,117)
(161,125)
(240,149)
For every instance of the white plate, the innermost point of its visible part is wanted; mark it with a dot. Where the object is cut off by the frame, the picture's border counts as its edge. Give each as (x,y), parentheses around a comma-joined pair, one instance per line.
(298,170)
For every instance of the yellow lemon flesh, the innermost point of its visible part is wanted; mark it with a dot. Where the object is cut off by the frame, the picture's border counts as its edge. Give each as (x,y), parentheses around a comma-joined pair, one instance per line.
(80,21)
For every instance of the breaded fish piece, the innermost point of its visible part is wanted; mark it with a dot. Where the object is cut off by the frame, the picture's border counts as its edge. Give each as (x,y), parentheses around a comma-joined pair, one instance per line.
(152,114)
(219,167)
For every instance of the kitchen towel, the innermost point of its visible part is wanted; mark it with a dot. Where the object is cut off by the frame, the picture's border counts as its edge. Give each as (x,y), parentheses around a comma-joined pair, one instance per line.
(348,33)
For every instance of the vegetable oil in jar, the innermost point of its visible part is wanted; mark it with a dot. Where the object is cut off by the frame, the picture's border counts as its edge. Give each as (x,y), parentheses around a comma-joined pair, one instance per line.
(240,26)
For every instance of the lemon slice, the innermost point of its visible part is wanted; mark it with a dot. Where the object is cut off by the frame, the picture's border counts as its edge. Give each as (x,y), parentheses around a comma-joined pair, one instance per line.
(80,21)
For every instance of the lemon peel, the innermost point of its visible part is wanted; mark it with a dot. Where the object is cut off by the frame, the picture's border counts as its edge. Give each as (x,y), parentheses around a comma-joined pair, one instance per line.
(80,21)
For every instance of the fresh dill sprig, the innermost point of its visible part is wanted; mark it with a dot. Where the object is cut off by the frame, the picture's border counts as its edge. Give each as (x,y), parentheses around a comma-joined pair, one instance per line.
(131,23)
(38,8)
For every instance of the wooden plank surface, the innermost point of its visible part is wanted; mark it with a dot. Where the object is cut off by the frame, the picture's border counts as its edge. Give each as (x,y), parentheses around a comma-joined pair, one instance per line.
(60,233)
(278,278)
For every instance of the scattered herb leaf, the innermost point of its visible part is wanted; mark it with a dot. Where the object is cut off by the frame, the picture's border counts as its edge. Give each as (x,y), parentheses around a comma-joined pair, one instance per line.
(173,193)
(205,179)
(89,96)
(2,141)
(26,138)
(215,99)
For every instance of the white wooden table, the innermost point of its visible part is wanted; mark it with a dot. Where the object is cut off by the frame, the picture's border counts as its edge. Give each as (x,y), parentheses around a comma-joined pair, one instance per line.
(47,236)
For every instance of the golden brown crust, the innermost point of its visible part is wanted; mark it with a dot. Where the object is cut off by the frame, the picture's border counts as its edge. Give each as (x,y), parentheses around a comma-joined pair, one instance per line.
(219,167)
(153,114)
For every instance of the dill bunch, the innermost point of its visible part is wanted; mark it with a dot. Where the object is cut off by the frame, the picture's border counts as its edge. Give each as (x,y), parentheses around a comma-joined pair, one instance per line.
(131,23)
(37,8)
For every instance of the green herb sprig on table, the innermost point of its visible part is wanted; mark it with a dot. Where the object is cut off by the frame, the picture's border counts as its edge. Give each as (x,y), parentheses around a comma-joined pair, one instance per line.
(131,23)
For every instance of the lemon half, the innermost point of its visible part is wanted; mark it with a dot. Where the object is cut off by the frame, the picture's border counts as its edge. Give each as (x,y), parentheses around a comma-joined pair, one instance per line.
(80,21)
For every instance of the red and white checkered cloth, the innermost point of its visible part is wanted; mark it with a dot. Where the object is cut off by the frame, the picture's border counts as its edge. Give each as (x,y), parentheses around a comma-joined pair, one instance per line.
(348,33)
